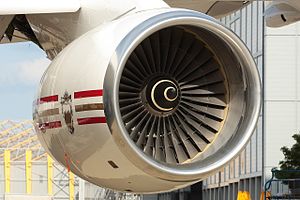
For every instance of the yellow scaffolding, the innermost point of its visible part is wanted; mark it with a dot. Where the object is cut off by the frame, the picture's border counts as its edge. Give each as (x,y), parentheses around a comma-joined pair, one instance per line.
(3,122)
(5,132)
(7,170)
(18,145)
(37,146)
(17,136)
(24,145)
(28,171)
(71,186)
(50,175)
(40,156)
(24,142)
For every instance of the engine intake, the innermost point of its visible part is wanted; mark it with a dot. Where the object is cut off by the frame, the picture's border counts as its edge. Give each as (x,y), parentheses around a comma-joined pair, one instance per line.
(173,95)
(215,88)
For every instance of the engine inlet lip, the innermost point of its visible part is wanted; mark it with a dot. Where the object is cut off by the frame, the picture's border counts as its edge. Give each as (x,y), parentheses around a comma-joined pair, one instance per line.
(176,17)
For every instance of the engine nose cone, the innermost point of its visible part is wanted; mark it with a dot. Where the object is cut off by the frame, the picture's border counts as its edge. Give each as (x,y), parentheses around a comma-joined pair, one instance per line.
(171,93)
(163,95)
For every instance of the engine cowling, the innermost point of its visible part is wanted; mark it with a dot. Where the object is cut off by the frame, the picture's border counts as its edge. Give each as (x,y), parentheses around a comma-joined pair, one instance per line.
(150,102)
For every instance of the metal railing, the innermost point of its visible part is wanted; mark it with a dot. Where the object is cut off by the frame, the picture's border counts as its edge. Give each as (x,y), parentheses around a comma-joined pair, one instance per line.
(279,187)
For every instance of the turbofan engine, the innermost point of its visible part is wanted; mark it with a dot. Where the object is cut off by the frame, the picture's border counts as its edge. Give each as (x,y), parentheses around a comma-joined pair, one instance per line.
(150,102)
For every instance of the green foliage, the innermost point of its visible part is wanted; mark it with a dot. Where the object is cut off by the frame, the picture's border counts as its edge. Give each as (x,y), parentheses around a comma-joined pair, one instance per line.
(291,160)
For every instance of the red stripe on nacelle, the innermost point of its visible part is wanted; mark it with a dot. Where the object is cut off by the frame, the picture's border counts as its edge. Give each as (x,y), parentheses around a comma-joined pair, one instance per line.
(91,120)
(48,99)
(88,93)
(50,125)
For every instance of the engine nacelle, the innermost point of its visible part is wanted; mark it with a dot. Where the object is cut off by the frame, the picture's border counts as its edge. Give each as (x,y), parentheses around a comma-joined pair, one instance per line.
(282,13)
(150,102)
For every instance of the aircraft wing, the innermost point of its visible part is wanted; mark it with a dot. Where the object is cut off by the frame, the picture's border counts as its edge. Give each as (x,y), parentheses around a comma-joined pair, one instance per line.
(14,7)
(278,13)
(10,8)
(213,8)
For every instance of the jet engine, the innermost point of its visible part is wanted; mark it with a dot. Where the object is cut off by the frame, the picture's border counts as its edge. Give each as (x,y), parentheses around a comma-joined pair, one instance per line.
(281,13)
(151,102)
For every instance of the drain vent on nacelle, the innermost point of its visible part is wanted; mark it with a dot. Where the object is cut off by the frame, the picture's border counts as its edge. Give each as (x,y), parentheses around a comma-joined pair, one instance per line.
(173,95)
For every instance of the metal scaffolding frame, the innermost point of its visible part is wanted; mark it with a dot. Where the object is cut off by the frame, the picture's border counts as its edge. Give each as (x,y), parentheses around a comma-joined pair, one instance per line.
(26,169)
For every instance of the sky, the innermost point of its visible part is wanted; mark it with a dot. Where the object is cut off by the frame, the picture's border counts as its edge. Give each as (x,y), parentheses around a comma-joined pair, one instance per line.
(21,67)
